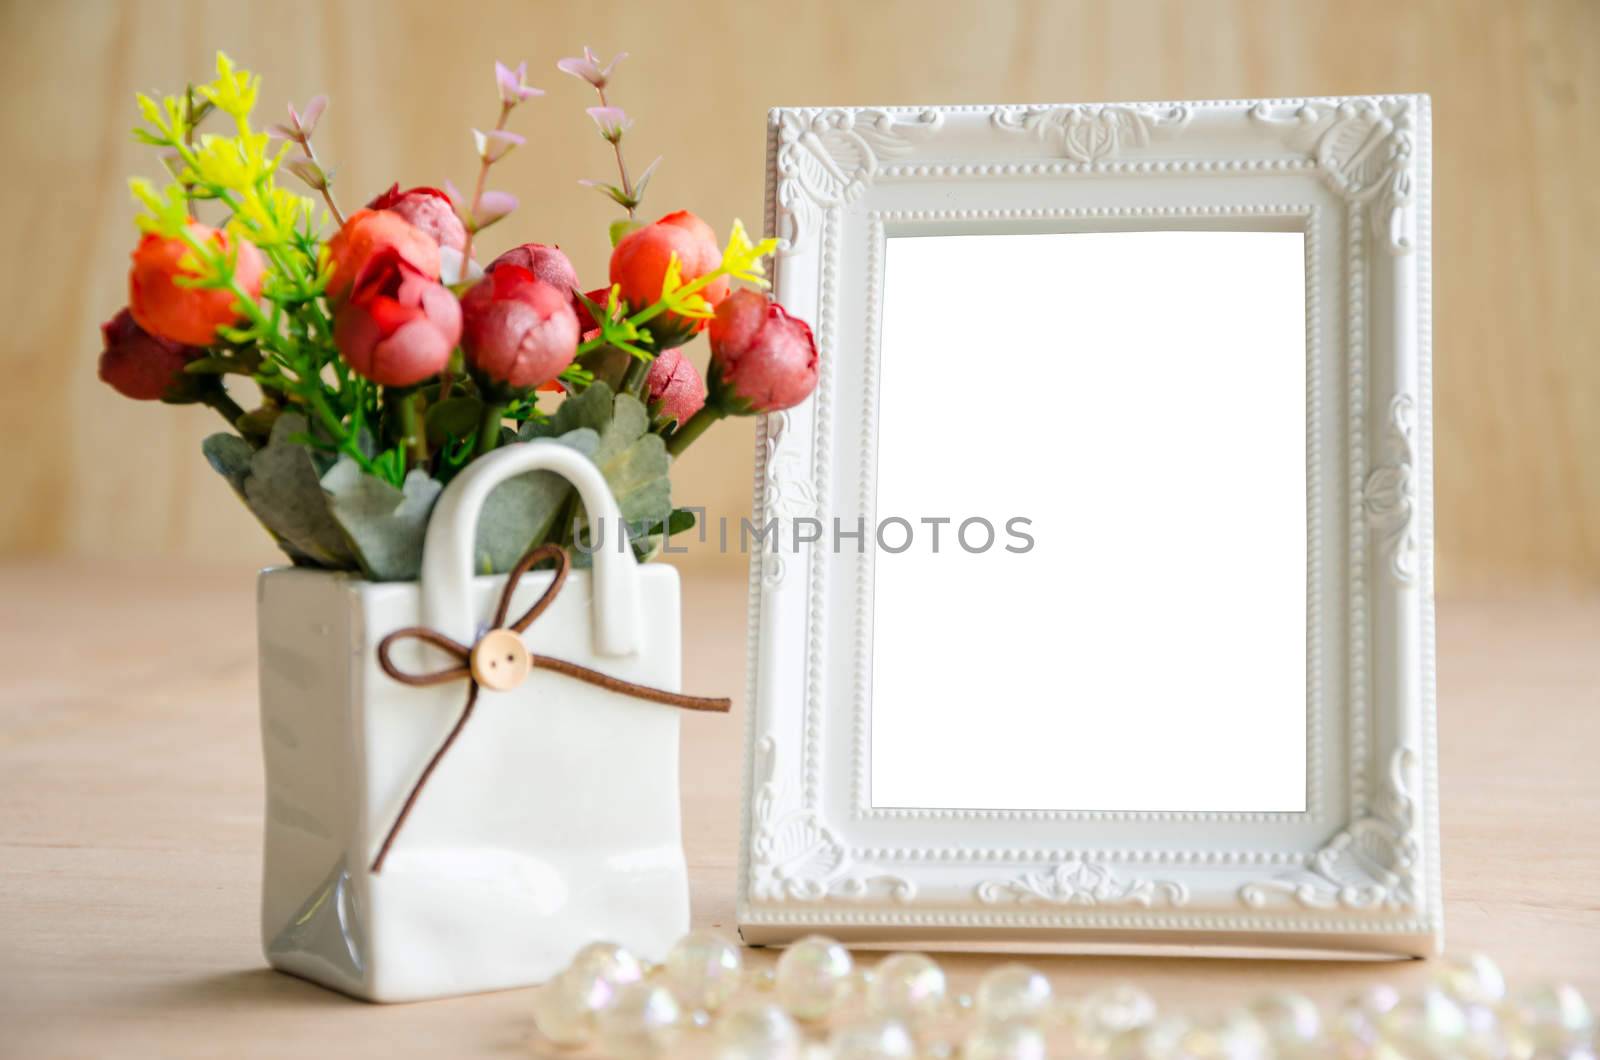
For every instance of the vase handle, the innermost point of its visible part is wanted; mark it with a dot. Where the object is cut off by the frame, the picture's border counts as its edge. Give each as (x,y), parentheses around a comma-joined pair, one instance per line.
(447,554)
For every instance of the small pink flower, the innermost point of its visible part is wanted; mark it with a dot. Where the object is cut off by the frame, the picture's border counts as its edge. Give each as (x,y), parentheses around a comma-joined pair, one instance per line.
(674,387)
(613,122)
(519,332)
(429,210)
(399,327)
(762,359)
(589,69)
(140,365)
(496,143)
(513,84)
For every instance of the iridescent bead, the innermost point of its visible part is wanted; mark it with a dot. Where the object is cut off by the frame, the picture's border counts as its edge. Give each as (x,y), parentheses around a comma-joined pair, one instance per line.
(1005,1040)
(599,970)
(813,977)
(758,1032)
(1233,1035)
(1115,1010)
(1291,1021)
(560,1013)
(908,986)
(1353,1030)
(872,1039)
(1472,980)
(1429,1023)
(702,970)
(639,1021)
(1012,991)
(1550,1019)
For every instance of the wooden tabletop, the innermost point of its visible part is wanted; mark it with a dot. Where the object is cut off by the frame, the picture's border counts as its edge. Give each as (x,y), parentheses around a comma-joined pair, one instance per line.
(130,821)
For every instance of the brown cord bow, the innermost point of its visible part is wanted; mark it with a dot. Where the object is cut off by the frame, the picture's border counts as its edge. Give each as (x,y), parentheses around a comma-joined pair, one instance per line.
(466,670)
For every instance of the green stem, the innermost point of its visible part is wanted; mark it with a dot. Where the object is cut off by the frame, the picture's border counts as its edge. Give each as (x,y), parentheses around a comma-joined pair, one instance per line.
(634,379)
(227,408)
(697,425)
(489,426)
(407,404)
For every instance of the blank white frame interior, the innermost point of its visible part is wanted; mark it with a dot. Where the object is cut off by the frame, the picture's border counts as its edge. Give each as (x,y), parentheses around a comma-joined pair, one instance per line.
(1335,847)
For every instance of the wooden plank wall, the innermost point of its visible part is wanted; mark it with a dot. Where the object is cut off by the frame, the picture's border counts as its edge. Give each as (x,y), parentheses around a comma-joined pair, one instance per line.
(1516,87)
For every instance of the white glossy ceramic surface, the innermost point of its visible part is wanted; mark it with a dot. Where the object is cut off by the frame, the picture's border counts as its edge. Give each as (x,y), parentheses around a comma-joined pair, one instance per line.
(552,822)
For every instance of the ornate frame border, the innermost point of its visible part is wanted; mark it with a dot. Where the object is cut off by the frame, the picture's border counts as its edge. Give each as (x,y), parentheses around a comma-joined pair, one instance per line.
(835,177)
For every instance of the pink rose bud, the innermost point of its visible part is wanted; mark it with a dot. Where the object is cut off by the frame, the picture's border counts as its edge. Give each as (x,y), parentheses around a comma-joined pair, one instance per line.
(762,359)
(429,210)
(520,332)
(143,366)
(399,327)
(547,263)
(674,387)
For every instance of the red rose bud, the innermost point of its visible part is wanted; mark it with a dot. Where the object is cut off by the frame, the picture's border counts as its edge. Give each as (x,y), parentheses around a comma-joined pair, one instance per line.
(762,359)
(371,240)
(429,210)
(399,327)
(639,264)
(188,315)
(587,324)
(547,264)
(674,388)
(520,332)
(143,366)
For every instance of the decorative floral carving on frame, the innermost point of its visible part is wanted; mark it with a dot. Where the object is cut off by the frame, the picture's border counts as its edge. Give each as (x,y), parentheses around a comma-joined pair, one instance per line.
(1370,865)
(1091,133)
(1365,153)
(1079,882)
(794,856)
(789,491)
(826,157)
(1389,495)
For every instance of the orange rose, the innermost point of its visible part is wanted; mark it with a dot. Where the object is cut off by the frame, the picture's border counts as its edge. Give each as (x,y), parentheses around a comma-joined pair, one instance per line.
(373,238)
(639,264)
(187,315)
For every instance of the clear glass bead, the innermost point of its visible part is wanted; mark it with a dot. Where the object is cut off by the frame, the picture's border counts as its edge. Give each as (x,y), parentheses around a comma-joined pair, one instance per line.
(758,1032)
(599,970)
(1005,1040)
(1473,979)
(1429,1023)
(639,1022)
(702,970)
(1550,1020)
(561,1015)
(907,986)
(813,977)
(1012,991)
(1115,1010)
(1291,1021)
(872,1039)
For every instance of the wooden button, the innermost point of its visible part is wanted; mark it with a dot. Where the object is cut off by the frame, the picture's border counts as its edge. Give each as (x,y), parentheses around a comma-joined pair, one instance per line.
(500,660)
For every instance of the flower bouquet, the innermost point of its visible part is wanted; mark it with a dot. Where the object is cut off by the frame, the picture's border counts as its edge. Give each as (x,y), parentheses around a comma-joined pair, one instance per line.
(387,360)
(428,432)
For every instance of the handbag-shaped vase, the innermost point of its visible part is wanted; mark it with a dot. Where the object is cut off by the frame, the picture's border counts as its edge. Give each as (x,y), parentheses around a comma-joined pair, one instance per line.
(553,819)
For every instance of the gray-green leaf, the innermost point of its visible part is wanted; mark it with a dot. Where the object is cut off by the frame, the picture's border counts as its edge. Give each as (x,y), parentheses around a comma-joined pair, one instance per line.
(284,491)
(386,525)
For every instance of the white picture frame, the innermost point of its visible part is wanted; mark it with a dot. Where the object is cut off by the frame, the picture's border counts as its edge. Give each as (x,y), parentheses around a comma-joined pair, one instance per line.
(1358,871)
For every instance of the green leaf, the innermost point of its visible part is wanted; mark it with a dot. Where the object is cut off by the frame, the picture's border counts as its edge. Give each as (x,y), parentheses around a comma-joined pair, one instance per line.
(521,511)
(591,409)
(623,227)
(453,418)
(386,525)
(229,456)
(284,490)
